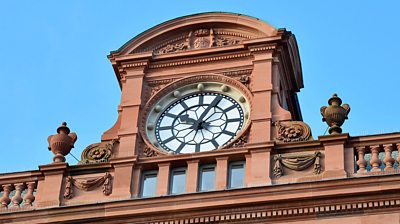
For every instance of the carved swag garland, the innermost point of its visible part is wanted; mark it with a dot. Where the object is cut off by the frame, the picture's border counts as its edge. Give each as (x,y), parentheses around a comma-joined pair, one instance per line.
(296,162)
(88,185)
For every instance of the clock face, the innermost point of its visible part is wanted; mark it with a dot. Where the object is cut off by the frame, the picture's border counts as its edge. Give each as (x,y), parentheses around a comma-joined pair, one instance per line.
(199,122)
(197,117)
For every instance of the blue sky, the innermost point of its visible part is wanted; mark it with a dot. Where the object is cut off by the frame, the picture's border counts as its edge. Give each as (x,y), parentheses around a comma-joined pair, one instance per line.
(53,64)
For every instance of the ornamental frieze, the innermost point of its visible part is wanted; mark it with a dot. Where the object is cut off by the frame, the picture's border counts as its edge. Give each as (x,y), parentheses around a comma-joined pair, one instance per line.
(198,39)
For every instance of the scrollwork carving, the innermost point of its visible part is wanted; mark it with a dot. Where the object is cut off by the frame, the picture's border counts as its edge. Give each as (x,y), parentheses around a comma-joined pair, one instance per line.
(88,185)
(297,162)
(293,131)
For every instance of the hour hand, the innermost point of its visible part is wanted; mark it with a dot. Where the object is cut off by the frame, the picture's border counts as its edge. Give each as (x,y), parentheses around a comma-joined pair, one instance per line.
(185,118)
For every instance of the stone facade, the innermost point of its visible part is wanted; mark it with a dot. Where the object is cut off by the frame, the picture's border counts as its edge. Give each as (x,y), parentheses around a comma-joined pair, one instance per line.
(289,175)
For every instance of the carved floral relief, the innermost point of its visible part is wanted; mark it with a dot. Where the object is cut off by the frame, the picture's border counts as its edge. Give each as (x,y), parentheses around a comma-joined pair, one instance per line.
(292,131)
(97,153)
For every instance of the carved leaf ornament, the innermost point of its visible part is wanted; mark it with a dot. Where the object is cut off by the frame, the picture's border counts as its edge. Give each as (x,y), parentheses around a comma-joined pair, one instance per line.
(297,162)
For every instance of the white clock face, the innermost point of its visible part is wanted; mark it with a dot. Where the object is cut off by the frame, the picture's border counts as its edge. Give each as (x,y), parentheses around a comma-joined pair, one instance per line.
(197,117)
(199,122)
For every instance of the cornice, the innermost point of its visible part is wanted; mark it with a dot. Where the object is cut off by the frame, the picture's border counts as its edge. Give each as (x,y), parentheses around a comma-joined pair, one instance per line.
(199,60)
(327,198)
(195,156)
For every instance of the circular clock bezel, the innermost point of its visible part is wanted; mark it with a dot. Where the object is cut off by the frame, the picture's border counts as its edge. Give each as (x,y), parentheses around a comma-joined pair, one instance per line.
(188,86)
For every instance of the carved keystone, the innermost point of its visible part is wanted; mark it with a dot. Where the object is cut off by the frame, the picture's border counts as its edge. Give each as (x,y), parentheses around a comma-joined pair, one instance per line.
(61,143)
(335,114)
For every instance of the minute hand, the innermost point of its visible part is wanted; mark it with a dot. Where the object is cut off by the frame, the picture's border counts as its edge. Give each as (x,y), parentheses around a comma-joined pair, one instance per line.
(211,105)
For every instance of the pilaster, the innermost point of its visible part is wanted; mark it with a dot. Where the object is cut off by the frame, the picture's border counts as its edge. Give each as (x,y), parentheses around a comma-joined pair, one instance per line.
(123,172)
(192,175)
(163,178)
(336,155)
(222,172)
(49,190)
(131,83)
(258,165)
(261,86)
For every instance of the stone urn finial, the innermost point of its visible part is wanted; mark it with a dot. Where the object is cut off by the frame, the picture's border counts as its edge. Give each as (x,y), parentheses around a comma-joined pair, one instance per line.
(335,114)
(61,143)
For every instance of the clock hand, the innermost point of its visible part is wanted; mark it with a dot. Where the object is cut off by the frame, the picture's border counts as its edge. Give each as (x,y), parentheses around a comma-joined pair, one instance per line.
(185,118)
(211,105)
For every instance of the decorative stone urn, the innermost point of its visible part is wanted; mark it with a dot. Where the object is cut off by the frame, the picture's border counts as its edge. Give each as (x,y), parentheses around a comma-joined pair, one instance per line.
(335,114)
(61,143)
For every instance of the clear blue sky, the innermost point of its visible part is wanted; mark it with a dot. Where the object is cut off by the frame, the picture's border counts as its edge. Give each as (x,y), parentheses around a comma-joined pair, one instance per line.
(53,64)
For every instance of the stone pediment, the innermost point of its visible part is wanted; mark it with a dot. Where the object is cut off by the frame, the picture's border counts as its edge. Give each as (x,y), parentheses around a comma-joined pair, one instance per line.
(199,31)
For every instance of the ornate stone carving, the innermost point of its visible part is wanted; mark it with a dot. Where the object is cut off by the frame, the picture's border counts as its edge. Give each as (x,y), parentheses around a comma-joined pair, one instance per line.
(172,48)
(97,153)
(200,38)
(245,80)
(156,85)
(243,76)
(148,152)
(61,143)
(241,141)
(88,185)
(203,38)
(296,162)
(225,41)
(334,115)
(292,131)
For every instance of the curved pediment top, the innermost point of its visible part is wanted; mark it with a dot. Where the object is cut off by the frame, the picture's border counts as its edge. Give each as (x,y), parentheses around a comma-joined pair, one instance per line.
(198,31)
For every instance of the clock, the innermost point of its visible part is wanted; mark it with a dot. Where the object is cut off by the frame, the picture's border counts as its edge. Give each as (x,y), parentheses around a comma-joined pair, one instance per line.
(197,117)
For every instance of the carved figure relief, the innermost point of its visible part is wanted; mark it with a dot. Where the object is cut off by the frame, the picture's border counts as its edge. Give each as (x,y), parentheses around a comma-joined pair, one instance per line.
(293,131)
(88,185)
(296,162)
(97,153)
(200,38)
